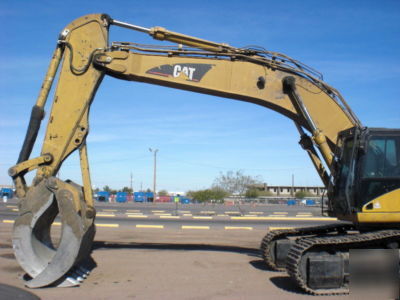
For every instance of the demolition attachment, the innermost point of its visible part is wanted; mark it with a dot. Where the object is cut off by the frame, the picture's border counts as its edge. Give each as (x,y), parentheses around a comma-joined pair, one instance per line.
(48,262)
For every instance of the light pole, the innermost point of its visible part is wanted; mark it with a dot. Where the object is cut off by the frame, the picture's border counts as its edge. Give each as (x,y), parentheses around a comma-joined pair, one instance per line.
(155,172)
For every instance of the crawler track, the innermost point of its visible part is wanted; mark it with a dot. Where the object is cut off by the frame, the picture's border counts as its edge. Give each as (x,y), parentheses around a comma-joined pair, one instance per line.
(266,243)
(342,243)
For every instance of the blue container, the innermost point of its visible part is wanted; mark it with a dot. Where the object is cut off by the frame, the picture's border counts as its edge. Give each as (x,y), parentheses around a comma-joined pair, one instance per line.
(103,196)
(9,193)
(291,202)
(121,197)
(139,197)
(310,202)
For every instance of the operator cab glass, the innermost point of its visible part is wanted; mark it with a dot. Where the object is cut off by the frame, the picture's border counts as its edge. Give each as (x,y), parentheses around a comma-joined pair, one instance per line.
(344,169)
(368,166)
(380,171)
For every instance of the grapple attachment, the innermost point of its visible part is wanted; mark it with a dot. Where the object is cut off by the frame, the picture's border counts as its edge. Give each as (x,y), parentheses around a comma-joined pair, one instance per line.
(46,261)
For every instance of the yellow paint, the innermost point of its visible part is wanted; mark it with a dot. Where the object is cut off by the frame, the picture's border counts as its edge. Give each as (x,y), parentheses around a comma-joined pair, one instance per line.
(105,215)
(385,209)
(389,202)
(371,217)
(285,218)
(195,227)
(170,217)
(202,217)
(149,226)
(8,221)
(279,228)
(137,216)
(107,225)
(110,210)
(238,228)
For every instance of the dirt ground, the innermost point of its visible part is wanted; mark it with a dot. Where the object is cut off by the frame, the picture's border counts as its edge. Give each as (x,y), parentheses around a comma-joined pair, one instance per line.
(167,264)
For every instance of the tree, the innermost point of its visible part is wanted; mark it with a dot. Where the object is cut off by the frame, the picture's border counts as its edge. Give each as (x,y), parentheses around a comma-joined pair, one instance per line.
(163,193)
(266,193)
(107,189)
(127,190)
(302,194)
(206,195)
(235,182)
(218,193)
(201,195)
(252,193)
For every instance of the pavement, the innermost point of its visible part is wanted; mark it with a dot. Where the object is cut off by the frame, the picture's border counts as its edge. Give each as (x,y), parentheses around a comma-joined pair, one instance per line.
(195,216)
(170,262)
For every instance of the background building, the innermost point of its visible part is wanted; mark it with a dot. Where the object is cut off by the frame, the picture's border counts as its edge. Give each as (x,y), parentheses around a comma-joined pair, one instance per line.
(288,190)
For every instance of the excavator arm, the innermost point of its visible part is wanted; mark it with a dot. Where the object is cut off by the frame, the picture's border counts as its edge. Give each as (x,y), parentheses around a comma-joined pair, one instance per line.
(254,75)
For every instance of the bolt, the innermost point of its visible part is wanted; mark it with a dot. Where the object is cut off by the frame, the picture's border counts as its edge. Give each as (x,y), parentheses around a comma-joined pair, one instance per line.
(48,157)
(12,172)
(52,183)
(90,213)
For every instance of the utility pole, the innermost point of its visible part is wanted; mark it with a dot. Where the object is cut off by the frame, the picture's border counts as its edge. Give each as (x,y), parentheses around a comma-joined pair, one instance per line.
(292,185)
(131,183)
(154,151)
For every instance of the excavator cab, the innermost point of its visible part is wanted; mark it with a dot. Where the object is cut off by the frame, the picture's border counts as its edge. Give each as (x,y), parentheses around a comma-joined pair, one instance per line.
(367,167)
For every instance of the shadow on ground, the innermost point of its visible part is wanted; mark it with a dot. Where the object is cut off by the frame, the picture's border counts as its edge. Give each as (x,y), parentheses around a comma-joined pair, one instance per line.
(260,265)
(284,282)
(104,245)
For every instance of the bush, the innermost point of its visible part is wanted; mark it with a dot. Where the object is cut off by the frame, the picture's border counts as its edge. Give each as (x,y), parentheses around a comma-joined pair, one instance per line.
(302,194)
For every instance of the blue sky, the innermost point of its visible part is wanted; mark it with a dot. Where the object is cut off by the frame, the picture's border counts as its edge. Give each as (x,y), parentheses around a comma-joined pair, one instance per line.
(355,44)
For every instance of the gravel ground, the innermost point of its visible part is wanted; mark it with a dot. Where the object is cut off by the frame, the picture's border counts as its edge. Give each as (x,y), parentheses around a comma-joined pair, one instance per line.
(167,264)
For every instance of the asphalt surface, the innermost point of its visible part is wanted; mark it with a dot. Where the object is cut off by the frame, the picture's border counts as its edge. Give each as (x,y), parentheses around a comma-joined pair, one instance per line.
(195,216)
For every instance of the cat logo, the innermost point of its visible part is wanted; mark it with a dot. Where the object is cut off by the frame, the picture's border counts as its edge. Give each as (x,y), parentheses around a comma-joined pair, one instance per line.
(192,72)
(188,71)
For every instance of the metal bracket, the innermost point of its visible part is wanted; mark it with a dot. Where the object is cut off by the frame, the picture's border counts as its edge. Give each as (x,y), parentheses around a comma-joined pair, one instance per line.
(30,165)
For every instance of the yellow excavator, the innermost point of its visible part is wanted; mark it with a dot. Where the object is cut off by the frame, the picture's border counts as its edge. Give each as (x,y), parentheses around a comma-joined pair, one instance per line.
(360,166)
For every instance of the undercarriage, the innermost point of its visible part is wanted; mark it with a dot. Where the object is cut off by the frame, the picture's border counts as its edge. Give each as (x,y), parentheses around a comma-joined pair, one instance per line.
(318,258)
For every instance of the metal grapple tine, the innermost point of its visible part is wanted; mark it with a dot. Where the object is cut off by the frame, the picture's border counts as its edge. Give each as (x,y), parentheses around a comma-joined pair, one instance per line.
(33,248)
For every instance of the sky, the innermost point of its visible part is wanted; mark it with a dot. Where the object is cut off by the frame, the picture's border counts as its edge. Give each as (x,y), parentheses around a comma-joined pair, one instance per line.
(355,44)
